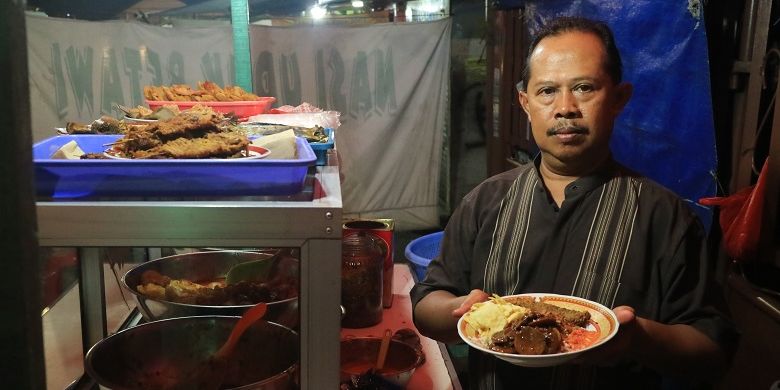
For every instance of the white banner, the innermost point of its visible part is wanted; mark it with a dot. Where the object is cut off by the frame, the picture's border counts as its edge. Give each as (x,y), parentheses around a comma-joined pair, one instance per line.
(389,81)
(78,69)
(391,84)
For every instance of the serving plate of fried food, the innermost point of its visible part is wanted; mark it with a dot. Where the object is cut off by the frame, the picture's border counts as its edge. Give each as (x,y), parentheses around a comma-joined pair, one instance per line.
(230,99)
(251,152)
(537,330)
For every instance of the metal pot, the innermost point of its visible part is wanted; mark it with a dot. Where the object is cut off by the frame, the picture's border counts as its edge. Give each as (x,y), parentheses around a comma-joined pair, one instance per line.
(158,354)
(210,265)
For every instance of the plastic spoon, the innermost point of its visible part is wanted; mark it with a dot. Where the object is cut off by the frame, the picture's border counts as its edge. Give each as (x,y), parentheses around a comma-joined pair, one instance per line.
(371,377)
(383,348)
(250,317)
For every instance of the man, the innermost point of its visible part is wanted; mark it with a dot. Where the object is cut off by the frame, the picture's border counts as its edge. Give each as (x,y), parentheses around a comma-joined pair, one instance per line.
(576,222)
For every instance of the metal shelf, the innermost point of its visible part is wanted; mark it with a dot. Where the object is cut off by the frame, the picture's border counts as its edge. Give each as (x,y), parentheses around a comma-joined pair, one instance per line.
(311,222)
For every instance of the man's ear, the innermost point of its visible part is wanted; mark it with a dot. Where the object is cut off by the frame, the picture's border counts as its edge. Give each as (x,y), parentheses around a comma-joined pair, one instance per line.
(623,93)
(522,97)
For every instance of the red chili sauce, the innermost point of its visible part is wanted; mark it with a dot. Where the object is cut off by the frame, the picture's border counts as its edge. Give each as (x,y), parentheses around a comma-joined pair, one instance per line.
(580,338)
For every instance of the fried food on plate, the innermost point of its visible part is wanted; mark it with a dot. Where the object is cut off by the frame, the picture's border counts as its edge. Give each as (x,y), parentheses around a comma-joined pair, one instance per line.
(207,91)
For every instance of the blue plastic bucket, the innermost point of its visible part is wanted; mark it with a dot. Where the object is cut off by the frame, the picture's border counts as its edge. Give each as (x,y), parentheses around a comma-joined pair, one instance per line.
(421,251)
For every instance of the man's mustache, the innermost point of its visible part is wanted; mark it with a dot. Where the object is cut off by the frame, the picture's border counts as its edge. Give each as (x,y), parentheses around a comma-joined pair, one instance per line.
(567,127)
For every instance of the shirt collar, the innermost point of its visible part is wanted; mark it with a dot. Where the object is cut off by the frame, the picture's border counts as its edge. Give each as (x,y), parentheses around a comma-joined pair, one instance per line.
(593,180)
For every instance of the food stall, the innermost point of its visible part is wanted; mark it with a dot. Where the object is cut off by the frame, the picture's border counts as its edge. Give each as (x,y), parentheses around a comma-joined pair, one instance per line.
(157,185)
(94,205)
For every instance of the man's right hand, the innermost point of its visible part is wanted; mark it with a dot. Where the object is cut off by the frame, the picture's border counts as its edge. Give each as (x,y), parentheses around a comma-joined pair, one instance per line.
(436,315)
(473,297)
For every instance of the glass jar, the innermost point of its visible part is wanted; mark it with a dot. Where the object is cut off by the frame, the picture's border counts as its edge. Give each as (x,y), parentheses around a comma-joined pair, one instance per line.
(361,280)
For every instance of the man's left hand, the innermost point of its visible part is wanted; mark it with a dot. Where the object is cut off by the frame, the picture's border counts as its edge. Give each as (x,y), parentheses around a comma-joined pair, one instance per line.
(620,345)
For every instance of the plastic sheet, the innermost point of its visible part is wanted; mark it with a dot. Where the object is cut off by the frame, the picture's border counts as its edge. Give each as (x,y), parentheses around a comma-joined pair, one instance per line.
(326,119)
(666,131)
(304,115)
(741,218)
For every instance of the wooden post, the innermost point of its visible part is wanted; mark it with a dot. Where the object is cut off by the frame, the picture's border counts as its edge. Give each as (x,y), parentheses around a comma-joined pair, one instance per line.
(21,363)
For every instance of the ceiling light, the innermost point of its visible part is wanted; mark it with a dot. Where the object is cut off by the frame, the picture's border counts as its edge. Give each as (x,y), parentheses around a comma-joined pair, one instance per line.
(317,12)
(429,8)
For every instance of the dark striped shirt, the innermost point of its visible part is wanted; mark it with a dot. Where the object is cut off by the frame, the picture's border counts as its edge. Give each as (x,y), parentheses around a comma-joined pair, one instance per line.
(618,238)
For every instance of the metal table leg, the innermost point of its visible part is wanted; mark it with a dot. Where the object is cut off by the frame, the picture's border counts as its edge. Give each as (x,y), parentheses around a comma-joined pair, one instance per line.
(93,301)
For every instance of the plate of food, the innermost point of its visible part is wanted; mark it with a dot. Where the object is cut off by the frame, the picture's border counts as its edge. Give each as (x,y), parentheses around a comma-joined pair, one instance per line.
(537,330)
(227,100)
(141,114)
(251,152)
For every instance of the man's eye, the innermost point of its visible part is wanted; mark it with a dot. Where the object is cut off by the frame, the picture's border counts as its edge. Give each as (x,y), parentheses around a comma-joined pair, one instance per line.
(583,88)
(546,91)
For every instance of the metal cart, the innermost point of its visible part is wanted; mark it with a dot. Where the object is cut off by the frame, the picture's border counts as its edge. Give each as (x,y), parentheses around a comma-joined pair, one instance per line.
(310,221)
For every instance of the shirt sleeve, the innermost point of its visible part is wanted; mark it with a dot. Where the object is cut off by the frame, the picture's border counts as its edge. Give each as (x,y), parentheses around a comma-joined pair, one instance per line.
(691,295)
(450,271)
(466,240)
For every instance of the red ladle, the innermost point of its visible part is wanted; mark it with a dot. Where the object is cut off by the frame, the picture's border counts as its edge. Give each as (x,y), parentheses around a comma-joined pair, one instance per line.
(211,373)
(248,318)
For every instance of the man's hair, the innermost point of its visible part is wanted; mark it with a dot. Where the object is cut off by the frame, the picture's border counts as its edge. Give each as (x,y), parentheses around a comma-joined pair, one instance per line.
(558,26)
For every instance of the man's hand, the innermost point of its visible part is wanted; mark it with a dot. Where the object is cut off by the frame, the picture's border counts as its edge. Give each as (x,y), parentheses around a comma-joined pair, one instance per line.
(620,345)
(675,350)
(436,315)
(474,296)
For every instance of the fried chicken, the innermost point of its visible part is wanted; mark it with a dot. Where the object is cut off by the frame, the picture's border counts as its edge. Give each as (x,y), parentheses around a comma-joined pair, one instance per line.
(193,134)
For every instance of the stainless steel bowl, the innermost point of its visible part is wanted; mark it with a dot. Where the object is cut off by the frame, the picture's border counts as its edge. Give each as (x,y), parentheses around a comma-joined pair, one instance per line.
(158,354)
(209,266)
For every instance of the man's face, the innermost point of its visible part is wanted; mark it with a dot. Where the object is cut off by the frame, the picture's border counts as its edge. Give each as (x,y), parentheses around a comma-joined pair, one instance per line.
(571,101)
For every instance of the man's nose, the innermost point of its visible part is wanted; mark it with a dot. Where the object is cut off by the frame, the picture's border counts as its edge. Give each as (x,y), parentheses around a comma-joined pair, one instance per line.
(566,106)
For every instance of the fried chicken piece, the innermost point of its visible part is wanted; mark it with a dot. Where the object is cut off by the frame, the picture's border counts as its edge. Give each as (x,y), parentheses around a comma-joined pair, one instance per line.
(579,318)
(194,133)
(152,276)
(186,124)
(181,89)
(151,290)
(137,139)
(182,291)
(215,145)
(237,93)
(206,91)
(154,93)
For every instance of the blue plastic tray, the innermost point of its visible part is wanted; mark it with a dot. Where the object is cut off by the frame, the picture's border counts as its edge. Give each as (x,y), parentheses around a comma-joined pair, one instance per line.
(321,148)
(163,177)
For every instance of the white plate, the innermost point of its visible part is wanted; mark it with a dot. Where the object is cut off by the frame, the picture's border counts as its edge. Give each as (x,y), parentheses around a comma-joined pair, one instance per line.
(255,152)
(601,318)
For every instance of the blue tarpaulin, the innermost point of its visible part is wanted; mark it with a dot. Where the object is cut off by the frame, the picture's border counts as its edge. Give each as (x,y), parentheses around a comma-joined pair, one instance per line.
(666,131)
